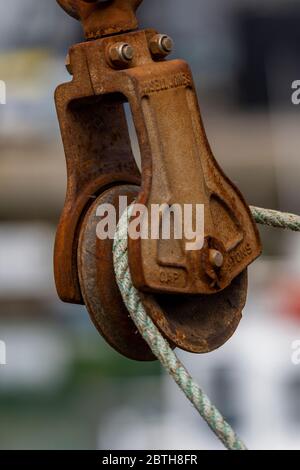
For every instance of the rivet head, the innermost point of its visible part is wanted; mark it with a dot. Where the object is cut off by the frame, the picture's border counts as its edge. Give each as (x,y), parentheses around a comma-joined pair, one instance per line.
(121,54)
(216,258)
(161,45)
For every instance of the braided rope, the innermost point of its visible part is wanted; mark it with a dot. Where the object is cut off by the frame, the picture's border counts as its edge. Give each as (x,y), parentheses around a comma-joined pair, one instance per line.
(161,348)
(276,219)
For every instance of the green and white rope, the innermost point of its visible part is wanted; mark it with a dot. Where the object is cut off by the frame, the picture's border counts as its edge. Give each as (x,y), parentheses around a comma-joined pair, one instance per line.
(160,346)
(276,219)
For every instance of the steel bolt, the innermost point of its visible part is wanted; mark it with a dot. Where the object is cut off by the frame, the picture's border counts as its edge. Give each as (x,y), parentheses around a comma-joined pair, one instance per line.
(121,54)
(161,45)
(216,258)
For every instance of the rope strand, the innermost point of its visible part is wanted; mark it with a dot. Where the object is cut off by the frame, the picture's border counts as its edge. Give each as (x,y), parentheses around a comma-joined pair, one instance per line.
(276,219)
(161,348)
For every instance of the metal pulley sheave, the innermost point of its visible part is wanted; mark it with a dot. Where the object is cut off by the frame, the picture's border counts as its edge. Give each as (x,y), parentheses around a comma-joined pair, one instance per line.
(195,297)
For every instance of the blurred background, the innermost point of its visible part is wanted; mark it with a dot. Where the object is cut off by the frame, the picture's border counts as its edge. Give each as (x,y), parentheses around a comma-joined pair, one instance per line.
(63,387)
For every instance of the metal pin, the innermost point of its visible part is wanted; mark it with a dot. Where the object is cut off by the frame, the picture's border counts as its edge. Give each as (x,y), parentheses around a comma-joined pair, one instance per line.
(216,258)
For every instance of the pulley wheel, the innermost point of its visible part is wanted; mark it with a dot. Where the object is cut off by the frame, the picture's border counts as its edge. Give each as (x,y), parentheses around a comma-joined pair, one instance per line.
(99,289)
(198,323)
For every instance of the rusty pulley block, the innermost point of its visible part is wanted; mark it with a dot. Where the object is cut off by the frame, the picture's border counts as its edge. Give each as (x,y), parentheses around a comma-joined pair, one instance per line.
(194,297)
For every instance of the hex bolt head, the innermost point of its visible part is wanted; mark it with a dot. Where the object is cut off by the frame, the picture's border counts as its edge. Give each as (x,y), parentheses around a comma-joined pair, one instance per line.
(216,258)
(120,54)
(161,45)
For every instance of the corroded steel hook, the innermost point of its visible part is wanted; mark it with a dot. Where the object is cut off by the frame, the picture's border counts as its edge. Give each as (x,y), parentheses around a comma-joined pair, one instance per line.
(101,18)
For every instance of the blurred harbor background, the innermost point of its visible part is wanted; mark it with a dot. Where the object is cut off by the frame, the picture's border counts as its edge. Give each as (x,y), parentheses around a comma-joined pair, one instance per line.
(63,387)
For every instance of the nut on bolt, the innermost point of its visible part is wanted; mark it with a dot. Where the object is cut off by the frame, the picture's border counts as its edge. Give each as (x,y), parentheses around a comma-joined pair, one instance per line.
(161,45)
(120,54)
